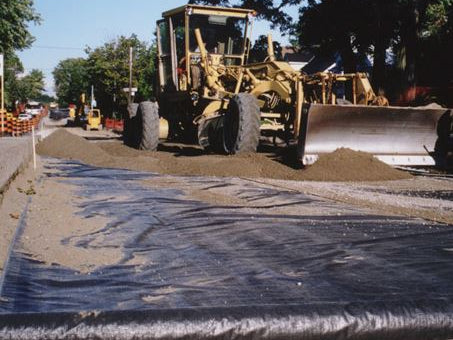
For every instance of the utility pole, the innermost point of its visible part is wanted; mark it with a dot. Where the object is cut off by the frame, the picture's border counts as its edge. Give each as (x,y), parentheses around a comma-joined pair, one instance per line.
(129,97)
(92,104)
(130,90)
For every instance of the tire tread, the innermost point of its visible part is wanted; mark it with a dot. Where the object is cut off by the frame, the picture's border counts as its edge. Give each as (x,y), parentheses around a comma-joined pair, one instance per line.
(150,125)
(249,125)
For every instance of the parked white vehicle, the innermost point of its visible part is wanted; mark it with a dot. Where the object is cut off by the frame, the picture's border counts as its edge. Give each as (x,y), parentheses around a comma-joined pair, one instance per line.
(24,117)
(33,108)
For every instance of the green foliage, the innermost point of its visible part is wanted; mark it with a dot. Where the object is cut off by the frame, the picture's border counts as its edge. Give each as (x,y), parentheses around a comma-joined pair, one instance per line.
(14,18)
(145,73)
(439,18)
(258,53)
(273,11)
(31,86)
(15,15)
(409,28)
(22,89)
(434,62)
(418,32)
(13,68)
(71,79)
(45,99)
(108,69)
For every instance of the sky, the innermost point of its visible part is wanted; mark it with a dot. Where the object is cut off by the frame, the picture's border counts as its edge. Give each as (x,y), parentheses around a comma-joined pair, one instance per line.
(68,26)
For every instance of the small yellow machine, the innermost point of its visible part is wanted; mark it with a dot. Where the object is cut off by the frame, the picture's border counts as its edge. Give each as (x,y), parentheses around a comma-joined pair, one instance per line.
(94,120)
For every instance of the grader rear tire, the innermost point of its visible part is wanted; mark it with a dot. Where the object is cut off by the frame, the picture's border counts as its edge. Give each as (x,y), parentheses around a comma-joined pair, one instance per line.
(241,128)
(150,126)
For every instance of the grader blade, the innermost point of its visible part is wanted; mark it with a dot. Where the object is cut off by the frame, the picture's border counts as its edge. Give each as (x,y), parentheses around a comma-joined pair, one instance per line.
(394,135)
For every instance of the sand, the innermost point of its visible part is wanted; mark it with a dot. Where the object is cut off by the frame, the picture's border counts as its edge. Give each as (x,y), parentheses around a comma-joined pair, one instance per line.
(54,229)
(11,208)
(52,215)
(341,165)
(348,165)
(53,226)
(63,144)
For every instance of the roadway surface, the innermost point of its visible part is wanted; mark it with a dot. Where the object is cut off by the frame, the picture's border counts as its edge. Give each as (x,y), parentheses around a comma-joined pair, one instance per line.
(119,254)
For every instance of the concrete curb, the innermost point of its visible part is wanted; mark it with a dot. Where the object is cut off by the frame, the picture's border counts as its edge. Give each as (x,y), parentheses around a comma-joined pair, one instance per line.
(15,153)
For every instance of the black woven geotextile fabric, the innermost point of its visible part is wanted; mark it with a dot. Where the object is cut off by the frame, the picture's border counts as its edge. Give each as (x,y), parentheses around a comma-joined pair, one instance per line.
(225,271)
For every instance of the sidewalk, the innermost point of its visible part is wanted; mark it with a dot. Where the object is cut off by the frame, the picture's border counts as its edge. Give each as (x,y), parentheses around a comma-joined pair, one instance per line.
(15,153)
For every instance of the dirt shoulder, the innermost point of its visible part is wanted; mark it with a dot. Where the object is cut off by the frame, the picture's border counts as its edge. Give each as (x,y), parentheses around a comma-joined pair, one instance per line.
(52,225)
(420,197)
(53,228)
(11,207)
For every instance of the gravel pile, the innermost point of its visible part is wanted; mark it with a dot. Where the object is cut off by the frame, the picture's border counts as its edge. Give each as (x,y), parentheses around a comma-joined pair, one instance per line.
(63,144)
(348,165)
(341,165)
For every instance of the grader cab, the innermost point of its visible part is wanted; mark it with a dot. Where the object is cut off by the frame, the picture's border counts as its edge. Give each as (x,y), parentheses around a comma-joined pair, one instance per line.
(195,79)
(207,90)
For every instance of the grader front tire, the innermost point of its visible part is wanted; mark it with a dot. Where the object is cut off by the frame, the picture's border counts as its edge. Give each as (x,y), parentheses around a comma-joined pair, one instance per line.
(241,129)
(150,126)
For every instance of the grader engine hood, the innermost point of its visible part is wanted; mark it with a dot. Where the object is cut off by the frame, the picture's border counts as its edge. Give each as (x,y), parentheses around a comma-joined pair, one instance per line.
(395,135)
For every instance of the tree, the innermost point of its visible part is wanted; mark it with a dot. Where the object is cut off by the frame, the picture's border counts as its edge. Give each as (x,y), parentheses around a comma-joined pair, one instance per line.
(272,11)
(258,52)
(145,72)
(14,18)
(71,80)
(407,27)
(419,32)
(334,26)
(15,15)
(329,27)
(29,87)
(438,33)
(424,37)
(376,31)
(21,89)
(108,67)
(45,99)
(13,68)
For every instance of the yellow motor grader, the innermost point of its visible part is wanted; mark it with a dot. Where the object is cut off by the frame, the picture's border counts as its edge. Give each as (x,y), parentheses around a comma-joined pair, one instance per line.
(207,89)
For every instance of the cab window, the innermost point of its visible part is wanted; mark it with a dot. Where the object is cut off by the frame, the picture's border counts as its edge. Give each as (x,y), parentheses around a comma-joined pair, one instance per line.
(221,34)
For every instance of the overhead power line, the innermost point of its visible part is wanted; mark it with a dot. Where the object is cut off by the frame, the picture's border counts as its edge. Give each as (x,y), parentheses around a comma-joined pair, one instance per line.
(38,68)
(59,47)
